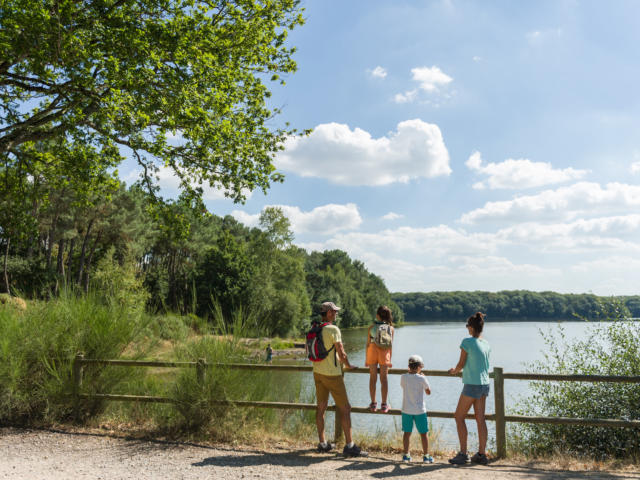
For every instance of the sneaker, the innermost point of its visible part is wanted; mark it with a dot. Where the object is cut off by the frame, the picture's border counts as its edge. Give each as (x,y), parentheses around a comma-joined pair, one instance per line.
(326,447)
(384,408)
(373,406)
(460,459)
(406,458)
(427,459)
(354,451)
(480,458)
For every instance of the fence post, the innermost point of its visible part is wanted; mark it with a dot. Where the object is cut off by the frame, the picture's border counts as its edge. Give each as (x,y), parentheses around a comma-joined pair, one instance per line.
(201,368)
(498,395)
(77,383)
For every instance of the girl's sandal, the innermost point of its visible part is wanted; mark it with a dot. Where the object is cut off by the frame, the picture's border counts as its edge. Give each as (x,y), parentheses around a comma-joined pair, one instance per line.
(384,408)
(373,406)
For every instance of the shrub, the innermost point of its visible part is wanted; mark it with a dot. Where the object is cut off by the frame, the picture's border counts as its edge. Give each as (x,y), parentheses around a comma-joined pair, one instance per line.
(37,348)
(612,348)
(119,282)
(201,404)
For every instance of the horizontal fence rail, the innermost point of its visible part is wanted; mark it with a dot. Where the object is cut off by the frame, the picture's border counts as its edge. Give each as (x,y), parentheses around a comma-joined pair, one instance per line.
(498,376)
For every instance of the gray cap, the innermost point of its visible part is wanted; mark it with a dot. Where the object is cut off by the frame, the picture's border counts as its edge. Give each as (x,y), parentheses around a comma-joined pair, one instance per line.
(326,306)
(416,359)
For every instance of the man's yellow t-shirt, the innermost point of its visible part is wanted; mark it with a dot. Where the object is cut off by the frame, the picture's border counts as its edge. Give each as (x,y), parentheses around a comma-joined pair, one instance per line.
(331,365)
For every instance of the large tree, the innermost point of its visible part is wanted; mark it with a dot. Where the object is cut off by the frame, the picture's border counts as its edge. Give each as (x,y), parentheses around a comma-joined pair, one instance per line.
(176,83)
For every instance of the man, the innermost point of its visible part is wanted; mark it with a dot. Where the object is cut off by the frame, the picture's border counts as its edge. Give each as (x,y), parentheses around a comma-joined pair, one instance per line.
(328,378)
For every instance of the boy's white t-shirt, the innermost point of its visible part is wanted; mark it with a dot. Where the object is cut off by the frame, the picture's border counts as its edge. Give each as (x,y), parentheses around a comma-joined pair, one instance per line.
(413,386)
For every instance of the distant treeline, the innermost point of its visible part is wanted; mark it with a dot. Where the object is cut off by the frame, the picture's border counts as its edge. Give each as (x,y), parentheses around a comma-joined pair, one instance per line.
(514,305)
(187,260)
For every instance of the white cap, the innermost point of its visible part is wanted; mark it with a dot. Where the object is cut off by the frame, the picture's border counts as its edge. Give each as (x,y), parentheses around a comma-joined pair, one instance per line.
(326,306)
(416,359)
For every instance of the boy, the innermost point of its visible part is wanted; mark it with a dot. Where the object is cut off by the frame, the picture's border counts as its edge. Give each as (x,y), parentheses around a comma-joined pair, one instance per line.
(414,387)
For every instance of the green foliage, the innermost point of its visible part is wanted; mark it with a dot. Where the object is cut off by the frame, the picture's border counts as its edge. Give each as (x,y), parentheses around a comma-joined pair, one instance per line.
(612,348)
(119,283)
(200,403)
(333,276)
(512,305)
(136,73)
(224,275)
(37,348)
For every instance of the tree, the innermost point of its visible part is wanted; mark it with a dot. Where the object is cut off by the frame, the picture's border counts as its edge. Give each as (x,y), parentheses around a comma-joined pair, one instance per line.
(179,83)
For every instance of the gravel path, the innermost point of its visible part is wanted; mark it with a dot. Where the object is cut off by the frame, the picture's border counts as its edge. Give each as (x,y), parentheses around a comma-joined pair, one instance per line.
(51,455)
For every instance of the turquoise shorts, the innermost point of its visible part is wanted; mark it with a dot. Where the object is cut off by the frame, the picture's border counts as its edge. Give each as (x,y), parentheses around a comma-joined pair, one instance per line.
(420,420)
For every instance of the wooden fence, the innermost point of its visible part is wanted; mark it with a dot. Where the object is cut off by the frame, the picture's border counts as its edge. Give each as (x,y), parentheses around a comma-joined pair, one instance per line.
(498,375)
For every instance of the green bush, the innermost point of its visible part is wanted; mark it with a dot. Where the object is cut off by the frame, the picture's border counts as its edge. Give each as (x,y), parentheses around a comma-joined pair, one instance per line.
(119,282)
(37,348)
(612,348)
(201,405)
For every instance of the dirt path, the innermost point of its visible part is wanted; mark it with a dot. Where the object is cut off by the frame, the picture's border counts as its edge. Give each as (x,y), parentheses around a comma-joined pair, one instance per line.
(50,455)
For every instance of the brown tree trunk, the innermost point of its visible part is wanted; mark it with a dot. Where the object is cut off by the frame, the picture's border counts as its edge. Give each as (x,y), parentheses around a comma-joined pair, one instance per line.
(89,260)
(60,267)
(49,248)
(83,251)
(72,245)
(4,270)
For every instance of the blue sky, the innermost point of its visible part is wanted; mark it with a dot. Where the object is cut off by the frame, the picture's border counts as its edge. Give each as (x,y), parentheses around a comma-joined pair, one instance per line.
(466,145)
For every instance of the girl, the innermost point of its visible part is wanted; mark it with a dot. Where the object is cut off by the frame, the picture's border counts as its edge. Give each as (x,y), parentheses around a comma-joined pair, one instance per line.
(474,364)
(379,342)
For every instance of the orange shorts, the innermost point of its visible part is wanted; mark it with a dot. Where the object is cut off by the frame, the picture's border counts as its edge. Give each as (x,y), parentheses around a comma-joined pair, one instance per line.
(333,384)
(378,356)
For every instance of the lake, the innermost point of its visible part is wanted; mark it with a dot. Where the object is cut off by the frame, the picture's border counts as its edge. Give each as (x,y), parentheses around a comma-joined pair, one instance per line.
(513,345)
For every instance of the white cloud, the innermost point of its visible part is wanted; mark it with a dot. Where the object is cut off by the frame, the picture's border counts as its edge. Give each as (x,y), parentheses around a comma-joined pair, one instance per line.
(577,237)
(392,216)
(430,79)
(324,220)
(248,219)
(635,168)
(477,58)
(378,72)
(352,157)
(406,97)
(518,174)
(566,203)
(438,242)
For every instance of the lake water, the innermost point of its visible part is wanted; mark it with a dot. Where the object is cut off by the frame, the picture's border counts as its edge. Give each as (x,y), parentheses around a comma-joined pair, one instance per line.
(513,346)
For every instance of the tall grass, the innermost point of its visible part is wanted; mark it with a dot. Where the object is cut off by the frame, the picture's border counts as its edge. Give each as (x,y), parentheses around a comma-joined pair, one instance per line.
(37,348)
(201,406)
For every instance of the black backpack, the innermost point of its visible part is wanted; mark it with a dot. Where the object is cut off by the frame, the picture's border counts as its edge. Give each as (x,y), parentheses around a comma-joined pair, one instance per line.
(316,351)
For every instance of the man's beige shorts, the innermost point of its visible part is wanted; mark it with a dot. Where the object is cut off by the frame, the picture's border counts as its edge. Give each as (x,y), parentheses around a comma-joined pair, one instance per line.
(333,384)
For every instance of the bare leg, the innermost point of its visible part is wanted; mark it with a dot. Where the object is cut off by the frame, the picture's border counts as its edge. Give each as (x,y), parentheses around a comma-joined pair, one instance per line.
(384,382)
(425,443)
(345,417)
(373,379)
(322,407)
(464,404)
(406,438)
(479,405)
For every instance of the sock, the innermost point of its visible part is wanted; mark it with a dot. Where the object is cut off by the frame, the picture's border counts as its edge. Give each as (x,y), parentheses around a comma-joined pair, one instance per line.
(350,445)
(324,444)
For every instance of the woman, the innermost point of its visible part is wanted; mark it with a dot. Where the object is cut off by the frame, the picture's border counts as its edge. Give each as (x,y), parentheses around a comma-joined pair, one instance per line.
(474,364)
(379,350)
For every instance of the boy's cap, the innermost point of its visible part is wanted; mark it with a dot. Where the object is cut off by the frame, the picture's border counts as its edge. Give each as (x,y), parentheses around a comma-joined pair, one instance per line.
(416,359)
(326,306)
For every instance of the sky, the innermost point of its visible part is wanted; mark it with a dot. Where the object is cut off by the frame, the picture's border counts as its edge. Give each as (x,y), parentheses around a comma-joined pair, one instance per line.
(465,145)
